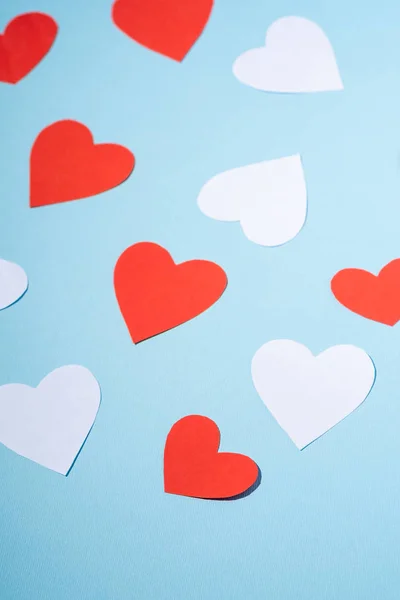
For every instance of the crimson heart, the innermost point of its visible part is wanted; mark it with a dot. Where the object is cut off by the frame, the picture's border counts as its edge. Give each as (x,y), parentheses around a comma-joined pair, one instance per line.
(375,297)
(24,43)
(67,165)
(194,467)
(154,294)
(169,27)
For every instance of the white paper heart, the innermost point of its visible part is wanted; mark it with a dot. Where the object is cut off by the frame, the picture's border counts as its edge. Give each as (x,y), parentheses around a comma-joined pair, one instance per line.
(13,283)
(49,424)
(297,57)
(268,198)
(309,394)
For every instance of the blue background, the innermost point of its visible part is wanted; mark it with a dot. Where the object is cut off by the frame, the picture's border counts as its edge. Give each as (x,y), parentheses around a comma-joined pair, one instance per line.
(324,524)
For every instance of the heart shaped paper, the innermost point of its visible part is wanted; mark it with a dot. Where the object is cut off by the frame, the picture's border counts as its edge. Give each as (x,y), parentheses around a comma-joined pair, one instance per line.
(309,394)
(49,424)
(194,467)
(169,27)
(268,198)
(25,42)
(13,283)
(154,294)
(375,297)
(67,165)
(297,57)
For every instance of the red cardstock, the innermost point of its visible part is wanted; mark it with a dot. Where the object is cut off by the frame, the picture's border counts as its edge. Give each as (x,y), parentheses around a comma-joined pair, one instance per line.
(25,42)
(169,27)
(375,297)
(154,294)
(67,165)
(194,467)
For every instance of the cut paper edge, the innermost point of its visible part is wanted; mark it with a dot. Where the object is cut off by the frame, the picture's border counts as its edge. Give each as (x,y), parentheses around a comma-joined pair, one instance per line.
(167,322)
(19,283)
(30,455)
(159,26)
(12,75)
(284,75)
(303,439)
(268,198)
(182,454)
(52,183)
(372,297)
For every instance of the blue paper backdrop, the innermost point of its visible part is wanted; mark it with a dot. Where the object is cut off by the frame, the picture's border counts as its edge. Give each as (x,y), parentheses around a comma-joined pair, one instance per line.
(324,524)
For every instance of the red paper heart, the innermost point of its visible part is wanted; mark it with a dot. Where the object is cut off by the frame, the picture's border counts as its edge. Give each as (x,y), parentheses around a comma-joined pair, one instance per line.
(368,295)
(25,41)
(169,27)
(154,294)
(194,467)
(67,165)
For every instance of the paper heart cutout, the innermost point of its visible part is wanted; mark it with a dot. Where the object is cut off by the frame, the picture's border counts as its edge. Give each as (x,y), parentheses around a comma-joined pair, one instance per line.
(375,297)
(308,395)
(154,294)
(268,198)
(25,42)
(194,467)
(66,164)
(13,283)
(169,27)
(297,58)
(49,424)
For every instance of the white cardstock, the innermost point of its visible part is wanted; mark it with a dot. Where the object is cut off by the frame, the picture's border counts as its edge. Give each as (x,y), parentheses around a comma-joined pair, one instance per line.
(297,58)
(13,283)
(309,394)
(49,424)
(268,198)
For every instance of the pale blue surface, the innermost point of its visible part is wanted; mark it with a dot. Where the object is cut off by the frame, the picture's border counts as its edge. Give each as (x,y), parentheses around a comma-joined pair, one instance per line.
(324,524)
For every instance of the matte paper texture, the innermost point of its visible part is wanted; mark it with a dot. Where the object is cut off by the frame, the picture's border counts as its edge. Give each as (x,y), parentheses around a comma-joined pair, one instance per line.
(194,467)
(24,43)
(297,57)
(154,294)
(309,394)
(13,283)
(169,27)
(66,164)
(268,198)
(324,523)
(49,424)
(375,297)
